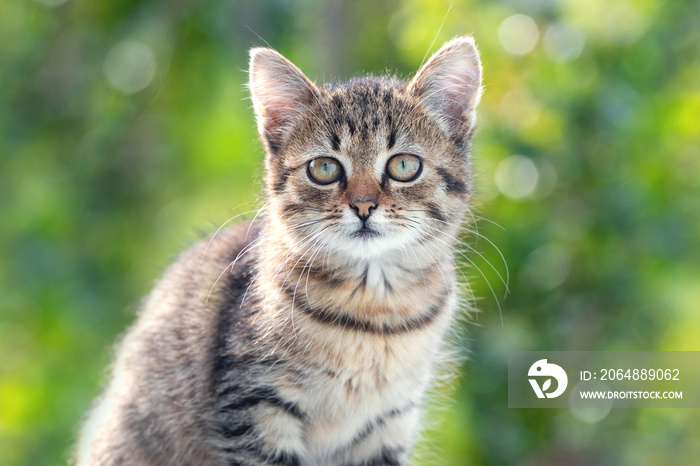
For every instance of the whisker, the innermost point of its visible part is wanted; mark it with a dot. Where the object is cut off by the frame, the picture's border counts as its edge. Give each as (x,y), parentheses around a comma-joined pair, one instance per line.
(500,311)
(264,207)
(221,227)
(254,244)
(466,281)
(308,273)
(506,282)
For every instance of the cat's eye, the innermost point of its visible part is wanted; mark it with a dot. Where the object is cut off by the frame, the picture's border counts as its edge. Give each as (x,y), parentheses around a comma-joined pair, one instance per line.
(324,170)
(404,167)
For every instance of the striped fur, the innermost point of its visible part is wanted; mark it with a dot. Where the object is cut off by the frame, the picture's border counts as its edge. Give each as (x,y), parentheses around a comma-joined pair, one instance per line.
(296,340)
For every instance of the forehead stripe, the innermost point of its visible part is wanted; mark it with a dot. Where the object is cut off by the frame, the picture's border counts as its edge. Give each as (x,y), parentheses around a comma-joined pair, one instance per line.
(392,139)
(335,141)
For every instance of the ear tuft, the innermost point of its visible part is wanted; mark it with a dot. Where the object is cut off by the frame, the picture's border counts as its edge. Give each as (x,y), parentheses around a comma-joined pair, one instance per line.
(449,84)
(280,93)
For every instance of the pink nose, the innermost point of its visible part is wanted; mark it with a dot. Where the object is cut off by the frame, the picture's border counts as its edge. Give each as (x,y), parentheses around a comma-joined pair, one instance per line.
(363,208)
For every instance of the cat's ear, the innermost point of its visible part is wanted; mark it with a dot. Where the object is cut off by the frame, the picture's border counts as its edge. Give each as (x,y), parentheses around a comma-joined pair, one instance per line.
(280,93)
(449,84)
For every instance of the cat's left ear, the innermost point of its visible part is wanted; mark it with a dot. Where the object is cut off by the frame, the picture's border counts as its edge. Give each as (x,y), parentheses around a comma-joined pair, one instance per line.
(280,93)
(449,84)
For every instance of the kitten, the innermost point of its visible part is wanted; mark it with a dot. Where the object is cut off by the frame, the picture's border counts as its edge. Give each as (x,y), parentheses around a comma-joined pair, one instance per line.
(309,336)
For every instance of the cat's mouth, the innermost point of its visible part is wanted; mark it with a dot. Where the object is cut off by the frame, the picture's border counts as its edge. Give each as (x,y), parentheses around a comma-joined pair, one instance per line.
(366,233)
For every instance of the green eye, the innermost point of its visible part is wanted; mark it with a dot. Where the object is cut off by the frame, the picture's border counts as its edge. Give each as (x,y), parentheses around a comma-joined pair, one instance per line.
(404,167)
(324,170)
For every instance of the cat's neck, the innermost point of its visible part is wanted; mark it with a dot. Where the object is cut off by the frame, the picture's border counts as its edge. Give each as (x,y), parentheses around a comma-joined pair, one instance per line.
(388,289)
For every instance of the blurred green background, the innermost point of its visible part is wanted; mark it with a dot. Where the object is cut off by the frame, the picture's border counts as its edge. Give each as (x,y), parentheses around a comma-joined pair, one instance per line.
(126,134)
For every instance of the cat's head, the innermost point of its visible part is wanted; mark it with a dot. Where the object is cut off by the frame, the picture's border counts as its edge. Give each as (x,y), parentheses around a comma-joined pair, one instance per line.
(369,167)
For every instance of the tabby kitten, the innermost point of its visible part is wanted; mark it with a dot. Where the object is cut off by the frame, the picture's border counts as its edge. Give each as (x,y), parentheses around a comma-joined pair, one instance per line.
(309,336)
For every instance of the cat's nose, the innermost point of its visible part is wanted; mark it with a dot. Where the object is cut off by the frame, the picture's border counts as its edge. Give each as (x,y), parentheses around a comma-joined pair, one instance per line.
(363,208)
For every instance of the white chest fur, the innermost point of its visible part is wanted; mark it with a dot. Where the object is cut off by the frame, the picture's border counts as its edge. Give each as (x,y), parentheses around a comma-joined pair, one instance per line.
(356,380)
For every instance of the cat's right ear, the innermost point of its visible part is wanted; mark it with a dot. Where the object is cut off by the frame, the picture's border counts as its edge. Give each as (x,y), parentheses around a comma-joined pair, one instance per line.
(449,84)
(280,93)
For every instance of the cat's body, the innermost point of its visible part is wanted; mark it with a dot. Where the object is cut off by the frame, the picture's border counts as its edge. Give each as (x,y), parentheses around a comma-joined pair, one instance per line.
(310,336)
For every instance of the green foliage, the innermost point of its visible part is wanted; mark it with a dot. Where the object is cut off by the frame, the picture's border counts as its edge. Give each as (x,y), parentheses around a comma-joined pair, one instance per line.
(126,133)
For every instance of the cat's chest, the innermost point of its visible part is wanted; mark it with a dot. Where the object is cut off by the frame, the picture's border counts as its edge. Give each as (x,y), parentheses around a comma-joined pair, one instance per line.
(354,387)
(359,348)
(349,404)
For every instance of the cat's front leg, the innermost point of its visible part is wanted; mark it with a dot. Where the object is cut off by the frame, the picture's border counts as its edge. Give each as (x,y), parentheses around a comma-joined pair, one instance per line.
(261,428)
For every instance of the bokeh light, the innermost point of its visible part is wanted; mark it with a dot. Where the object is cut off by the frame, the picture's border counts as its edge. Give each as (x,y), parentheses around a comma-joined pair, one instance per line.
(547,267)
(130,66)
(518,34)
(563,42)
(585,413)
(517,176)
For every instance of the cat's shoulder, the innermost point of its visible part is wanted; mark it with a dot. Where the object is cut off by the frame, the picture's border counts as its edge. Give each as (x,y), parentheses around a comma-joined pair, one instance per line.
(210,268)
(216,250)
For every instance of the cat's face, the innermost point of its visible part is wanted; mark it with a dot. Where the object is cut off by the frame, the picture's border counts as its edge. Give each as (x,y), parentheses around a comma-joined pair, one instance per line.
(373,167)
